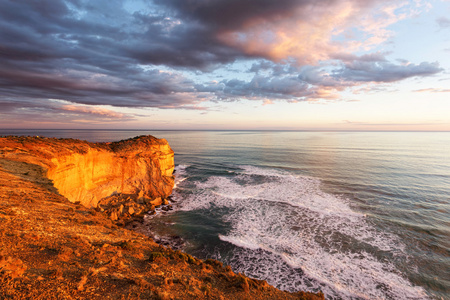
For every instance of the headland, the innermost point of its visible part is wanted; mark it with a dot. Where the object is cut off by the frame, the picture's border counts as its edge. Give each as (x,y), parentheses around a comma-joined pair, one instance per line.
(66,207)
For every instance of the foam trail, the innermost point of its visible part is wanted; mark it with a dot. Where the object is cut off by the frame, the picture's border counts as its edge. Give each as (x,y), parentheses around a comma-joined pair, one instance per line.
(288,221)
(180,175)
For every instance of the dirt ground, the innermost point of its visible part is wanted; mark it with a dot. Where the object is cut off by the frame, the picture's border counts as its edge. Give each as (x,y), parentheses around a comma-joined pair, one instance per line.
(53,249)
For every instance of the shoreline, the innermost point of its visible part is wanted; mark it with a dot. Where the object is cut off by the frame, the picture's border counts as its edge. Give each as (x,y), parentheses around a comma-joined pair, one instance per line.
(52,248)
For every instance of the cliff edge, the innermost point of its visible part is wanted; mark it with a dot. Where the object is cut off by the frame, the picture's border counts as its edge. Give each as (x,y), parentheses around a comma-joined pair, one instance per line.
(52,248)
(87,172)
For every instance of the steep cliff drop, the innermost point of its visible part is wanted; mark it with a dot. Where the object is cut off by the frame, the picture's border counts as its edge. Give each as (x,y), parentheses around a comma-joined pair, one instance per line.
(51,248)
(88,172)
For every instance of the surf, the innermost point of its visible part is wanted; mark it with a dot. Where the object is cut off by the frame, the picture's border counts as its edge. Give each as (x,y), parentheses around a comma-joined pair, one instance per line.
(312,240)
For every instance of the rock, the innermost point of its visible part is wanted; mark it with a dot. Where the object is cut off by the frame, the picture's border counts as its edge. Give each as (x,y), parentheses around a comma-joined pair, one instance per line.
(13,266)
(131,210)
(87,172)
(157,201)
(113,216)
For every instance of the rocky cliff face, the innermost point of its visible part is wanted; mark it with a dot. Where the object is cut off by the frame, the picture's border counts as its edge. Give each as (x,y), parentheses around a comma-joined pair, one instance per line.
(46,241)
(87,172)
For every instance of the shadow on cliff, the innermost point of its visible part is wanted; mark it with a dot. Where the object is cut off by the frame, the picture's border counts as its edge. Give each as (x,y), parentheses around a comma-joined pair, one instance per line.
(29,172)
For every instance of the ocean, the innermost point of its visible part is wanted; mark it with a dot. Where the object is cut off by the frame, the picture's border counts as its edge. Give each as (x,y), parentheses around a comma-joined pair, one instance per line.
(357,215)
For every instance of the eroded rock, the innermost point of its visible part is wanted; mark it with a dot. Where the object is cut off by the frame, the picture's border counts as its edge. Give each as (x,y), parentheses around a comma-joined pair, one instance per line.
(87,172)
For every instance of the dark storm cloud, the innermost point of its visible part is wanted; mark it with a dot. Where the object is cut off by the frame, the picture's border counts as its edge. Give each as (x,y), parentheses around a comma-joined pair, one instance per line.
(233,14)
(93,54)
(88,31)
(144,89)
(226,15)
(175,42)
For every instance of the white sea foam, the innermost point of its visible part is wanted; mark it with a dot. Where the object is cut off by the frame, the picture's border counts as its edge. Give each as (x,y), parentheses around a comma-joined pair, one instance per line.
(246,242)
(180,174)
(287,220)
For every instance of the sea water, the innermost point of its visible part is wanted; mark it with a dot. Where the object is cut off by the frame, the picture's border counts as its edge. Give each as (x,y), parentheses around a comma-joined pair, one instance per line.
(357,215)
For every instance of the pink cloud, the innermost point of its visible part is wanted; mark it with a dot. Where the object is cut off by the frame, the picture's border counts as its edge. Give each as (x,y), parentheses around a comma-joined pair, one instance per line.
(313,32)
(97,111)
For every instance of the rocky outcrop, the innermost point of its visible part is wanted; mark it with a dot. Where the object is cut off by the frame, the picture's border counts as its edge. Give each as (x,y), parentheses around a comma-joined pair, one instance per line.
(88,172)
(48,242)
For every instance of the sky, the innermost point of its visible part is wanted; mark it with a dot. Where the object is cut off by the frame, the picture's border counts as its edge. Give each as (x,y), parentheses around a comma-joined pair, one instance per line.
(225,64)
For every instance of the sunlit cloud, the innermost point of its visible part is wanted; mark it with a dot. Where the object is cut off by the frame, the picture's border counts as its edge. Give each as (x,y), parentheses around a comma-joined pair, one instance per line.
(103,112)
(57,112)
(315,31)
(432,90)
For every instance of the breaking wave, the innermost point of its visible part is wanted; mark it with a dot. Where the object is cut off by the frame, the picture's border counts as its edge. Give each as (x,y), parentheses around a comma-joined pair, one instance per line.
(289,232)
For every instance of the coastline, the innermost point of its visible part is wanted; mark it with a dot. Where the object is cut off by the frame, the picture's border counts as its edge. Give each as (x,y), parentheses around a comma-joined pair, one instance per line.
(52,248)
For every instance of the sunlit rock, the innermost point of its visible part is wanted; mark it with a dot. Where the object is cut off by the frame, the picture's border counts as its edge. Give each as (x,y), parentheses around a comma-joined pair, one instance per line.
(87,172)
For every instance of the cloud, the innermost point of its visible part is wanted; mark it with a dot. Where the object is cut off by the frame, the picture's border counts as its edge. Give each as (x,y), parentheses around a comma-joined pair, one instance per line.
(432,90)
(96,111)
(443,22)
(109,53)
(383,71)
(268,88)
(92,53)
(307,31)
(57,112)
(394,125)
(150,88)
(286,82)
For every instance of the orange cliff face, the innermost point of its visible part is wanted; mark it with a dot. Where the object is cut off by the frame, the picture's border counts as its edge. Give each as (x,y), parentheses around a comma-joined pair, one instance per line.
(45,241)
(87,172)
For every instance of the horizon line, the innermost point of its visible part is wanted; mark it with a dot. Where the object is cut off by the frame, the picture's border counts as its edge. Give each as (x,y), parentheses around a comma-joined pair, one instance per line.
(278,130)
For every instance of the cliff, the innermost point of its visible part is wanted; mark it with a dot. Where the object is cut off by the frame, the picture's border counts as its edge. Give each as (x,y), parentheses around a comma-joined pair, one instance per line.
(51,248)
(86,172)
